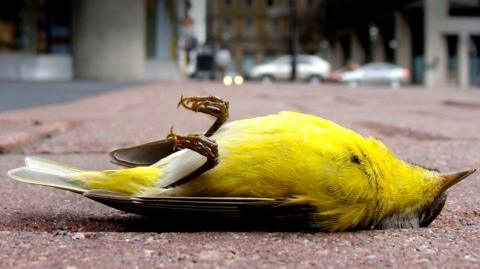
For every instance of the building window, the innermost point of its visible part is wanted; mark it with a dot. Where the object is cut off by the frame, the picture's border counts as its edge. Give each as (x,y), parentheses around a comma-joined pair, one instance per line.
(464,8)
(310,3)
(227,32)
(274,28)
(270,3)
(249,29)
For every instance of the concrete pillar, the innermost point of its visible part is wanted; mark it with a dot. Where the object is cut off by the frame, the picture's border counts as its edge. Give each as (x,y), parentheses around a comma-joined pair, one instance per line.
(379,49)
(357,51)
(435,44)
(109,39)
(28,26)
(199,16)
(403,36)
(164,34)
(338,59)
(463,63)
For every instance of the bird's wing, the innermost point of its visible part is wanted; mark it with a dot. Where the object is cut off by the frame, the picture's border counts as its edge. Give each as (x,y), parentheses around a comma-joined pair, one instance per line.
(213,208)
(143,155)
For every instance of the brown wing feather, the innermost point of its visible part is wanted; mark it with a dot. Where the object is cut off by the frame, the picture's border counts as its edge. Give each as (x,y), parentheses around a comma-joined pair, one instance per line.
(142,155)
(220,208)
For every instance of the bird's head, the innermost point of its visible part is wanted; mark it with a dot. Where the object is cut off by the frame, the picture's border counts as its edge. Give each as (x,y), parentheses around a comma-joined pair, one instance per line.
(430,211)
(411,195)
(429,206)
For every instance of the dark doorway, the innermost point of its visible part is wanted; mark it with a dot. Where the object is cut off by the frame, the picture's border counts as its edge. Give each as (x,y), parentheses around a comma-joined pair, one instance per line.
(452,60)
(474,55)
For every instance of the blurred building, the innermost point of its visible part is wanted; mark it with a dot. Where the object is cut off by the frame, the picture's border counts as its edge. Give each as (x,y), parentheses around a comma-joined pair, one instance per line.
(89,39)
(257,31)
(439,40)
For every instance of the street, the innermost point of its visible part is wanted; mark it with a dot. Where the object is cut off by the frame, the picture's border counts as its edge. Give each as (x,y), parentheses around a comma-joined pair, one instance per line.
(17,95)
(48,228)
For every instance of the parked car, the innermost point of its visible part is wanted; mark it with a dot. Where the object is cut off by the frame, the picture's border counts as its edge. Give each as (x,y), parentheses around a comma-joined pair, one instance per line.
(310,68)
(377,73)
(336,76)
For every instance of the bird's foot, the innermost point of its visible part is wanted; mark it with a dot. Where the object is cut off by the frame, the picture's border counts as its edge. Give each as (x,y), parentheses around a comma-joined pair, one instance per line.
(210,105)
(198,143)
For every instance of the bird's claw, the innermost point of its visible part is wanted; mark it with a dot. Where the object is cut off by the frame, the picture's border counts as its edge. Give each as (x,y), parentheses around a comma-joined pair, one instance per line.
(198,143)
(210,105)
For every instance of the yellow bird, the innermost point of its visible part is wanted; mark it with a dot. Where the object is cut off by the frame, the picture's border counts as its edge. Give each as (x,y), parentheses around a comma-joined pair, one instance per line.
(352,182)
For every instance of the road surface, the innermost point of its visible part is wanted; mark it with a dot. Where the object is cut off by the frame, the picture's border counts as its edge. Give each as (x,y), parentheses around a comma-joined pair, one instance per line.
(48,228)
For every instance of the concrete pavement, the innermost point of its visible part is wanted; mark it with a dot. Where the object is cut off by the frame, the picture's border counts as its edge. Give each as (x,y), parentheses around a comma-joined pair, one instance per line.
(42,227)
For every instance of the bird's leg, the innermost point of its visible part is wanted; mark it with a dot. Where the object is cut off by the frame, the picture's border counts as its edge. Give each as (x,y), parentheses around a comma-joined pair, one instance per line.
(150,153)
(210,105)
(200,144)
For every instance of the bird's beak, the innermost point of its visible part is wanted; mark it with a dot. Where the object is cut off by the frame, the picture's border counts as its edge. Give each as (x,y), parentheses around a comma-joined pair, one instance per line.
(449,180)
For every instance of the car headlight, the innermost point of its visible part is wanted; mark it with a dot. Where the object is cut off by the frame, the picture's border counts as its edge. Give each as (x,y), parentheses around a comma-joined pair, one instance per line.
(227,80)
(238,80)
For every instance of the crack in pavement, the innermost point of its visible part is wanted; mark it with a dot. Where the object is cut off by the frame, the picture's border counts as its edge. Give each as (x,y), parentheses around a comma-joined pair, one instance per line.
(391,130)
(26,134)
(461,104)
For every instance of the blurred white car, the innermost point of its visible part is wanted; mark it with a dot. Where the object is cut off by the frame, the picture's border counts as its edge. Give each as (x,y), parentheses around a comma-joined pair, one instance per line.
(310,68)
(377,73)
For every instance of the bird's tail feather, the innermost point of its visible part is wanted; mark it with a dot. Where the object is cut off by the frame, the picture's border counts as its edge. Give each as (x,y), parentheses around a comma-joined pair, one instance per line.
(45,172)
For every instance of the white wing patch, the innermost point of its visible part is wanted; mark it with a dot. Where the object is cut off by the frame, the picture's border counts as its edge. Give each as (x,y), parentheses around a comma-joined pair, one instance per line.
(179,165)
(184,162)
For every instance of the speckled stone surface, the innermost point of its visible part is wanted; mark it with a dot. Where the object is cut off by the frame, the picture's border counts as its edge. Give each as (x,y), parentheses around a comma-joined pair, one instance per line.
(47,228)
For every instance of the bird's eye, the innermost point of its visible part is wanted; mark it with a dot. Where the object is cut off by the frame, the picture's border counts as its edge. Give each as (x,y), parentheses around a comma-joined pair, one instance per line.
(355,159)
